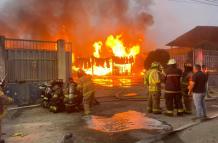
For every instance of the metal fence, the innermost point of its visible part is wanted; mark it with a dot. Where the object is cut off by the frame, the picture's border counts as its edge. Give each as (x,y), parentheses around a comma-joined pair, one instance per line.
(211,60)
(30,60)
(208,57)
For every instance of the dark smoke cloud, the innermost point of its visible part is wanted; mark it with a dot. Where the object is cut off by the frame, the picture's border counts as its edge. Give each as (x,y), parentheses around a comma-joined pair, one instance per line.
(79,21)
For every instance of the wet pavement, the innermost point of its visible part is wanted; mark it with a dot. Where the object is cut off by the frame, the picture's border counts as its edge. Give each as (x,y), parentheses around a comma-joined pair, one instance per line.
(125,121)
(38,125)
(113,121)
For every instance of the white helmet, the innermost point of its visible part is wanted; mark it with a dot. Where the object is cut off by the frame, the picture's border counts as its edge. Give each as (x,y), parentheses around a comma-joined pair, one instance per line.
(171,62)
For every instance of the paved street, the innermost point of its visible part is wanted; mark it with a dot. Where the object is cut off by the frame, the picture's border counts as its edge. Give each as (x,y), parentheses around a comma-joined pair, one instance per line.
(120,118)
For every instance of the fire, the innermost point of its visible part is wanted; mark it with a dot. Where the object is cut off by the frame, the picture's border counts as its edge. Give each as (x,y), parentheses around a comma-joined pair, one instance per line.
(121,62)
(119,50)
(97,46)
(98,70)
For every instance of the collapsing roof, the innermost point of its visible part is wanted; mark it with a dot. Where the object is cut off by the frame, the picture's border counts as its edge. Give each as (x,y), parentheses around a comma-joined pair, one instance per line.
(200,36)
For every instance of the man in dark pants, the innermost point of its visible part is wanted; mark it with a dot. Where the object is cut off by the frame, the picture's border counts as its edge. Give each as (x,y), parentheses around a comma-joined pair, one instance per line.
(173,94)
(186,78)
(198,88)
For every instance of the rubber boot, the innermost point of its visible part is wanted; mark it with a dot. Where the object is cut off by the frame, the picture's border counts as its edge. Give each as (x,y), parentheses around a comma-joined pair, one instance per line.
(157,112)
(169,114)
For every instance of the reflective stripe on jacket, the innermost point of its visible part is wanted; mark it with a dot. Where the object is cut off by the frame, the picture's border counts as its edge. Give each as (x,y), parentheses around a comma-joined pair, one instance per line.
(86,86)
(172,80)
(152,80)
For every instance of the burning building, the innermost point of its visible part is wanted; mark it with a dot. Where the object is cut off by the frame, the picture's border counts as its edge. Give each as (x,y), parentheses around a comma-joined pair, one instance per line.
(107,35)
(119,61)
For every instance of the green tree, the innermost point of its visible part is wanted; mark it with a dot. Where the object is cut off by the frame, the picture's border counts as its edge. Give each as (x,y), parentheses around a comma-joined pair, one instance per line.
(159,55)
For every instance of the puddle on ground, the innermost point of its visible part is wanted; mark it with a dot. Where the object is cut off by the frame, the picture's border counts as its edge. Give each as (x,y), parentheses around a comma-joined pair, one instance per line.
(125,121)
(130,94)
(121,81)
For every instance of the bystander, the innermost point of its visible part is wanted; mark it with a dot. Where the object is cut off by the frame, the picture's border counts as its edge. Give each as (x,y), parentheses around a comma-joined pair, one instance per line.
(198,89)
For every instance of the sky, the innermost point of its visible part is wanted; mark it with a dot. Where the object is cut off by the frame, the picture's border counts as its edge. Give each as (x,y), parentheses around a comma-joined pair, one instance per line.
(171,19)
(175,18)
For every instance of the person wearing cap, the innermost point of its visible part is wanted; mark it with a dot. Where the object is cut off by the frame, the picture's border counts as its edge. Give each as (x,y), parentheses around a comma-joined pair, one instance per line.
(186,78)
(152,80)
(87,88)
(173,95)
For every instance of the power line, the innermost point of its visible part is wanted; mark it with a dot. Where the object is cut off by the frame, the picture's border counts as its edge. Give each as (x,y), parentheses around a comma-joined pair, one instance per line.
(215,1)
(209,1)
(181,1)
(206,2)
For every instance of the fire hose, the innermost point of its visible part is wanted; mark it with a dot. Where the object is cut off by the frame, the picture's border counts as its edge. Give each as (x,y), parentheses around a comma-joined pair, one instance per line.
(23,107)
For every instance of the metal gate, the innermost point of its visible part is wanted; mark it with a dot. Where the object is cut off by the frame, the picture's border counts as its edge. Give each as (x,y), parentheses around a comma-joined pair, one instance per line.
(29,60)
(34,60)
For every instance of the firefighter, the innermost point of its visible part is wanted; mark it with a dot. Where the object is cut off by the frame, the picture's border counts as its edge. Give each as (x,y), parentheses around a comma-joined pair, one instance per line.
(152,79)
(73,98)
(46,94)
(57,100)
(173,96)
(87,88)
(186,78)
(4,101)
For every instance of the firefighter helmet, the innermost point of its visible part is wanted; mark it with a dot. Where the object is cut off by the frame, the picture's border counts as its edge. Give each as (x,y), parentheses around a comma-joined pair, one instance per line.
(171,62)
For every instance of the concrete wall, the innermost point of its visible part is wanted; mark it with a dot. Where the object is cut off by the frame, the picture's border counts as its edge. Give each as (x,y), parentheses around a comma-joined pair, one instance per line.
(62,63)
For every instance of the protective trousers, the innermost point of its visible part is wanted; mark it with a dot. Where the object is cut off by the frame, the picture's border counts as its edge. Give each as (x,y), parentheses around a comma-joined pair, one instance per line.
(174,101)
(154,102)
(187,103)
(88,102)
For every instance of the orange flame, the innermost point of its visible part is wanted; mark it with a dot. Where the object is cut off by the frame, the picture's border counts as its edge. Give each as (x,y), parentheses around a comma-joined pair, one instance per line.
(98,70)
(118,50)
(97,46)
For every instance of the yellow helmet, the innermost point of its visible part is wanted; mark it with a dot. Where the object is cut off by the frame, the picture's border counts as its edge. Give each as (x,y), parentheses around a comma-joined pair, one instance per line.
(171,62)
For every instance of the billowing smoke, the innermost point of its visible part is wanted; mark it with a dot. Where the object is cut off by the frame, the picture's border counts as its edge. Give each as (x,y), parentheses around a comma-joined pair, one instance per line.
(79,21)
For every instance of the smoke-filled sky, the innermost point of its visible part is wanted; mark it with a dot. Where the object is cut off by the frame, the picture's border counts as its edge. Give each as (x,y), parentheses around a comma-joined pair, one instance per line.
(84,21)
(171,19)
(81,21)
